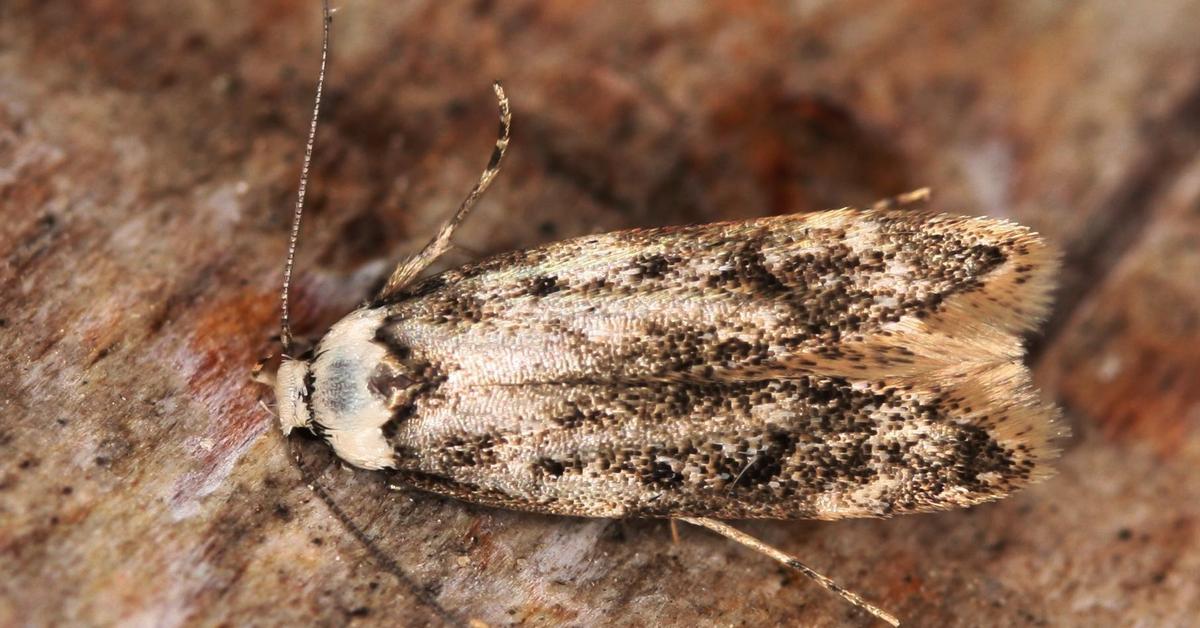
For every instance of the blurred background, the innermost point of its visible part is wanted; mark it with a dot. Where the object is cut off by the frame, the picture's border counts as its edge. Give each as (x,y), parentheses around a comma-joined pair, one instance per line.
(148,161)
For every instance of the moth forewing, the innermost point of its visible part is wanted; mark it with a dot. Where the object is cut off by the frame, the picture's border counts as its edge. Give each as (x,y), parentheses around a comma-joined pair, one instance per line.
(838,364)
(799,366)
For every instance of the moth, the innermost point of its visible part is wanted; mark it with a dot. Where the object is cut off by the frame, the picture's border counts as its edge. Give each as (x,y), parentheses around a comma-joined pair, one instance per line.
(823,366)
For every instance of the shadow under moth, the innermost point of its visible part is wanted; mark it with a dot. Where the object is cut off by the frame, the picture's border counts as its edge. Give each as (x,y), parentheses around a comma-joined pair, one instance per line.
(822,366)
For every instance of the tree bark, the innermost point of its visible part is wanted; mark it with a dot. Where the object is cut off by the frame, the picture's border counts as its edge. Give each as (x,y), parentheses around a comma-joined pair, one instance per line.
(149,153)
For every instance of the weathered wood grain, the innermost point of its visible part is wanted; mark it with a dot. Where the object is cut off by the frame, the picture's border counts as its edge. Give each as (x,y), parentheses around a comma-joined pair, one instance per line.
(148,156)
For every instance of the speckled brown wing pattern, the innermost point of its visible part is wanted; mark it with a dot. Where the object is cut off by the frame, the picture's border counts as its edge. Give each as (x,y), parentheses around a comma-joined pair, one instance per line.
(839,364)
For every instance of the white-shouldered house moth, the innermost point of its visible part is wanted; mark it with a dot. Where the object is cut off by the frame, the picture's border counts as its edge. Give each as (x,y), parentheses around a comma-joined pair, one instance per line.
(822,366)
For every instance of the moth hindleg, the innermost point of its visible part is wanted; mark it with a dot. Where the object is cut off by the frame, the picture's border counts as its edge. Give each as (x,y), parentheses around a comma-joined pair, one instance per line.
(757,545)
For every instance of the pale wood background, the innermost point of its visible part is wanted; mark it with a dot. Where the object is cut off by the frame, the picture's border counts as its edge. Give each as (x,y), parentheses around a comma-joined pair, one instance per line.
(148,155)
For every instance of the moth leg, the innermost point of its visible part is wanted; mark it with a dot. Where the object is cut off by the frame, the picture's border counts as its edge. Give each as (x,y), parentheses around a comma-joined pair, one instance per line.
(908,199)
(753,543)
(259,375)
(407,270)
(263,405)
(674,532)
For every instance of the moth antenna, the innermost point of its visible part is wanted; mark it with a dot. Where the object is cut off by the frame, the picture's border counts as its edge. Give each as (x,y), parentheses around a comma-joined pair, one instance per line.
(753,543)
(285,325)
(410,268)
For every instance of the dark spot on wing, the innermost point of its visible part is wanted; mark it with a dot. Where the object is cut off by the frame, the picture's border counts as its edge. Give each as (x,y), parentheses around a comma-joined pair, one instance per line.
(543,285)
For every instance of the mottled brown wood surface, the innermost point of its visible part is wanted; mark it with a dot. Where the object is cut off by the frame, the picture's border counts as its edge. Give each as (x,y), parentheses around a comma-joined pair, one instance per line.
(148,156)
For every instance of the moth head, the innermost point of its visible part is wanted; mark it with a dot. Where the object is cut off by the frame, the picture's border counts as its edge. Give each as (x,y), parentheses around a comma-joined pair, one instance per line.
(291,382)
(292,395)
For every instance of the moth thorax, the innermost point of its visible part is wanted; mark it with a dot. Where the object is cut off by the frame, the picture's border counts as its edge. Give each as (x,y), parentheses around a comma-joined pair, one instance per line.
(292,394)
(347,394)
